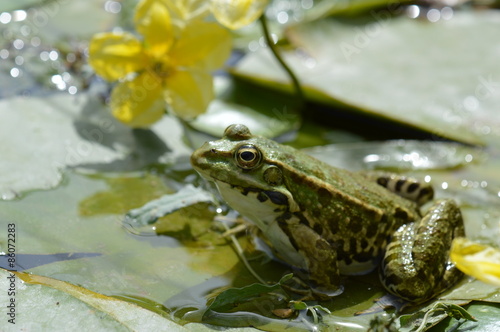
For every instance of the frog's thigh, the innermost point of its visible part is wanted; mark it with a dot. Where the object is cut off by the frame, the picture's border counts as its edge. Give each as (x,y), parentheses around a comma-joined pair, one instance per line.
(416,264)
(321,258)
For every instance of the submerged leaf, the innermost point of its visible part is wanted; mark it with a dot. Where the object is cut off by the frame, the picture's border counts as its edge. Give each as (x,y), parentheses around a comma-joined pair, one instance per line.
(232,296)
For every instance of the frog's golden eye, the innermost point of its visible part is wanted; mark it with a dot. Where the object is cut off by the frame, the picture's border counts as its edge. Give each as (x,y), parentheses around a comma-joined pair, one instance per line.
(248,157)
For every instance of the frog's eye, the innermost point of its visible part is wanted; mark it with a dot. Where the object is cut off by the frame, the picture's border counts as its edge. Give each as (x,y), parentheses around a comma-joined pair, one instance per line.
(248,157)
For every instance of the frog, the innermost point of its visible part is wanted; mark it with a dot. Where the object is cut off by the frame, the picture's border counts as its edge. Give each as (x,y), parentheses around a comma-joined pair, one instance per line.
(330,223)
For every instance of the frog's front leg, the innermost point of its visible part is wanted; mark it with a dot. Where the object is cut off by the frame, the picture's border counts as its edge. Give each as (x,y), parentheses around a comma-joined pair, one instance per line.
(416,264)
(320,257)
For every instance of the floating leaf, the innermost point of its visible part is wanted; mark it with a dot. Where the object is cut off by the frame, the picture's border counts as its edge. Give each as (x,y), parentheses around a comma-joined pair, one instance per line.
(70,307)
(232,296)
(408,71)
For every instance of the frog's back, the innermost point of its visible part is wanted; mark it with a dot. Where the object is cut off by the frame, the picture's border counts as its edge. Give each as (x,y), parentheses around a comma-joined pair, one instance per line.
(353,214)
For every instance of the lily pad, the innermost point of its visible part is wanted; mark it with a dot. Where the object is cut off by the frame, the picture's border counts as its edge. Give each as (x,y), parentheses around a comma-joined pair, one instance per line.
(61,131)
(420,74)
(71,307)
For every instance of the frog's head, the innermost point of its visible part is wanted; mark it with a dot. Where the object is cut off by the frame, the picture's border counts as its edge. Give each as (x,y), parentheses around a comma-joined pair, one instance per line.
(245,163)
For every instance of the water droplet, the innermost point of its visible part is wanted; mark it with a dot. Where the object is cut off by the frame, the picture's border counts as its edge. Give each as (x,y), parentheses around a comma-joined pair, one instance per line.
(433,15)
(427,178)
(468,158)
(35,41)
(19,60)
(219,210)
(282,17)
(446,13)
(44,56)
(58,82)
(72,90)
(19,15)
(307,4)
(113,7)
(4,54)
(253,46)
(413,11)
(71,57)
(5,18)
(25,30)
(484,184)
(18,44)
(444,185)
(15,72)
(464,183)
(53,55)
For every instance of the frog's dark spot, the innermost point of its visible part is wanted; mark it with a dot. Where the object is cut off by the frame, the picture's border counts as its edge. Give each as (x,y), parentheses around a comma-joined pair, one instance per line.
(371,230)
(324,196)
(412,187)
(284,217)
(401,214)
(355,224)
(277,197)
(383,181)
(353,245)
(424,192)
(284,227)
(392,279)
(261,197)
(316,213)
(318,228)
(303,220)
(363,243)
(399,184)
(363,257)
(333,225)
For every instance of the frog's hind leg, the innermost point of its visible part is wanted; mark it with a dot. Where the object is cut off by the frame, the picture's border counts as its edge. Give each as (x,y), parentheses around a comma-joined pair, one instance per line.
(407,187)
(416,264)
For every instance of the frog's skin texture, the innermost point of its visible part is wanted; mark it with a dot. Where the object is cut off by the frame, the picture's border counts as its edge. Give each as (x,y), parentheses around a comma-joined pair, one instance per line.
(330,222)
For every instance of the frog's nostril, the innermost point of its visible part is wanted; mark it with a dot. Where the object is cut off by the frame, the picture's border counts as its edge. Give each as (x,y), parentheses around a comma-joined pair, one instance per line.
(213,151)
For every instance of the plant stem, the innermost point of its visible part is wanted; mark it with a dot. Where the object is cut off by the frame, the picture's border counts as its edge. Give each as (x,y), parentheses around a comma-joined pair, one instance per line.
(299,93)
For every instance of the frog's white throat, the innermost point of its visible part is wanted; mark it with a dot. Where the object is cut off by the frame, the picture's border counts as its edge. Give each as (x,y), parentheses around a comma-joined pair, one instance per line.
(264,215)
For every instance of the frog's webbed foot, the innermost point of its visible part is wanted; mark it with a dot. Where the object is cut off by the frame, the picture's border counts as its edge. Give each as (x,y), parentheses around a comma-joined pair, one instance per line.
(309,293)
(407,187)
(416,264)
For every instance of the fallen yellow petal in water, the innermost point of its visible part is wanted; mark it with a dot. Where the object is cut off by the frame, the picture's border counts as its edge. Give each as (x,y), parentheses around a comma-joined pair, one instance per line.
(477,260)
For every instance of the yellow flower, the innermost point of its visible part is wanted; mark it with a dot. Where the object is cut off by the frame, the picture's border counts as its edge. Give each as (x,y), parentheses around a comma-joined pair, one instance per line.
(235,14)
(167,66)
(477,260)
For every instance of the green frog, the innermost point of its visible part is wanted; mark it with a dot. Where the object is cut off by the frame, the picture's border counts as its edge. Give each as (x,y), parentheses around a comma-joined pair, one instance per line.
(328,222)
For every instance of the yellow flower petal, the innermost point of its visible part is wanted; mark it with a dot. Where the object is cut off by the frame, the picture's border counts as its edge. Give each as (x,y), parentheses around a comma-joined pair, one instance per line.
(189,92)
(139,102)
(235,14)
(477,260)
(113,56)
(152,20)
(187,10)
(201,44)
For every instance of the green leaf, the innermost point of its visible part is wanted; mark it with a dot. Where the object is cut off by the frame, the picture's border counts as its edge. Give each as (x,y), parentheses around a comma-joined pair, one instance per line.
(63,131)
(408,71)
(232,296)
(71,307)
(265,112)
